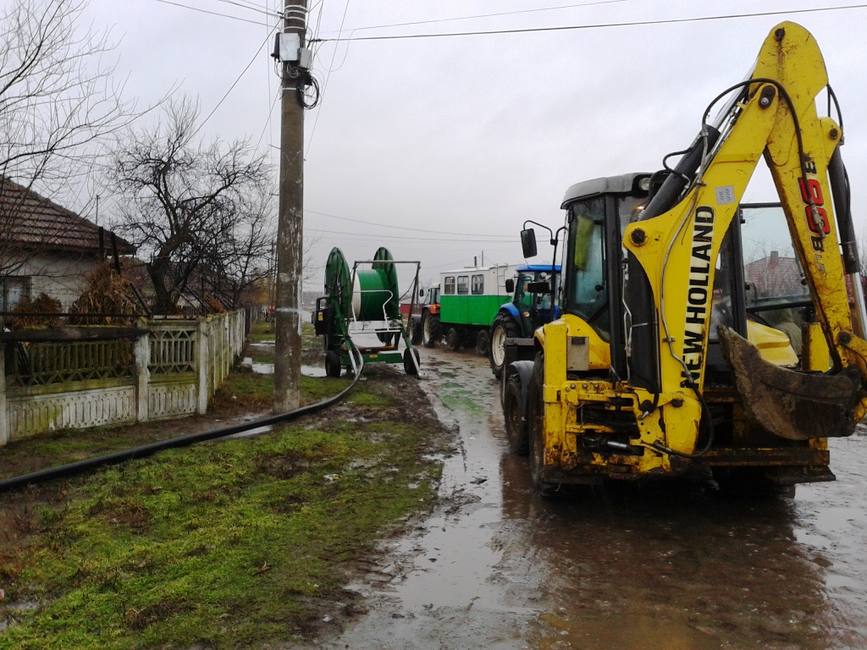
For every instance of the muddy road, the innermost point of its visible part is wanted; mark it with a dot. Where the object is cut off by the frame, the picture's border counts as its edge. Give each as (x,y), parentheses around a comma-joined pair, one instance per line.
(669,567)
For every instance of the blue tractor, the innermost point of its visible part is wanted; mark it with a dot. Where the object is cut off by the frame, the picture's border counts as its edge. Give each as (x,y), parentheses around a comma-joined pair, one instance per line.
(533,304)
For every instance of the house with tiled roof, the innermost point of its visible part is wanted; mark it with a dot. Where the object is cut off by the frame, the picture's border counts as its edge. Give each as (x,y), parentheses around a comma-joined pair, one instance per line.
(46,248)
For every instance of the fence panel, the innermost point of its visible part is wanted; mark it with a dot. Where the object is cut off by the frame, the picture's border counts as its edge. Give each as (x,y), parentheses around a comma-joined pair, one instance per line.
(82,384)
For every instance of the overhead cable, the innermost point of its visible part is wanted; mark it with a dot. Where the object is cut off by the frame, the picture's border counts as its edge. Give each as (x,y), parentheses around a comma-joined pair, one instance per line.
(234,83)
(259,10)
(563,28)
(490,15)
(212,13)
(327,78)
(402,227)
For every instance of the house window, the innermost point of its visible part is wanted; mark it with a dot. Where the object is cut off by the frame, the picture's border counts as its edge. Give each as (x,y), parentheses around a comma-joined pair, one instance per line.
(13,290)
(477,287)
(463,285)
(449,285)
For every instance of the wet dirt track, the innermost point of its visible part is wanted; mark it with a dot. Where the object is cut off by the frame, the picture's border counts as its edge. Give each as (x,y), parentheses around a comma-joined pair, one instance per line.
(669,567)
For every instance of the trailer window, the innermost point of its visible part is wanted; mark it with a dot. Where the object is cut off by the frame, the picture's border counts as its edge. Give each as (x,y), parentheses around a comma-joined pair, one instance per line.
(463,285)
(477,288)
(449,285)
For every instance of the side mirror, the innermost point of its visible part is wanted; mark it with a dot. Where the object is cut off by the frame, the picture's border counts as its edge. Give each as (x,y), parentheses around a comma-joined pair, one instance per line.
(421,293)
(510,285)
(528,242)
(541,287)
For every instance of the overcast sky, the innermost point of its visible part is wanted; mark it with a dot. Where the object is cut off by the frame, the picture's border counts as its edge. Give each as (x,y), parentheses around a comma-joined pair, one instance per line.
(474,135)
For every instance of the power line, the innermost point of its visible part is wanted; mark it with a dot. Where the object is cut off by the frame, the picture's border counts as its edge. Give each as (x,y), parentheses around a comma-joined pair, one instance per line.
(386,225)
(562,28)
(212,13)
(327,78)
(234,83)
(368,235)
(235,3)
(491,15)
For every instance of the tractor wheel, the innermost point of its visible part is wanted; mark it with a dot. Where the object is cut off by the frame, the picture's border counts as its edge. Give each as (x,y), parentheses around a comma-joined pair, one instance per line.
(504,327)
(483,343)
(514,413)
(416,329)
(453,339)
(409,367)
(536,430)
(430,330)
(332,363)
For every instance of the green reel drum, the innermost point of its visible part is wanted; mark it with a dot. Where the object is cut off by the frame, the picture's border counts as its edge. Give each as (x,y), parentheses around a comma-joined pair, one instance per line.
(375,294)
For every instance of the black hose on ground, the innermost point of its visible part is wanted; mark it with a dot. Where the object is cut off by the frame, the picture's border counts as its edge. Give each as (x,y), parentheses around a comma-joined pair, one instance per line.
(143,451)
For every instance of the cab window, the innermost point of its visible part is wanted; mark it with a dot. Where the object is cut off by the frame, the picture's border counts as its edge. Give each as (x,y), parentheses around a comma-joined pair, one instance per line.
(587,296)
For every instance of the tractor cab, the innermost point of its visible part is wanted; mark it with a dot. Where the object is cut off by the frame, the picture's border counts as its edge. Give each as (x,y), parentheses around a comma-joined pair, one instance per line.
(534,290)
(597,211)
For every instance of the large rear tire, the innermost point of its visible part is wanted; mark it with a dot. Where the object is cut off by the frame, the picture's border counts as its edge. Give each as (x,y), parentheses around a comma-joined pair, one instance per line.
(430,329)
(536,430)
(503,327)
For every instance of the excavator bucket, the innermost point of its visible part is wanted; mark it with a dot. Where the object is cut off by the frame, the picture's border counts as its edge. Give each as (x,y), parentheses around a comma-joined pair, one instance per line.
(790,404)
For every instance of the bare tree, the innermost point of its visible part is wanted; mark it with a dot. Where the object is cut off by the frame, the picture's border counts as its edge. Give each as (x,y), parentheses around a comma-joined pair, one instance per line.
(241,259)
(192,209)
(58,100)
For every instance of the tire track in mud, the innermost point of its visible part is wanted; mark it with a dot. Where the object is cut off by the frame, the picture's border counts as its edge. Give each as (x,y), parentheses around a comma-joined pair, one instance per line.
(664,566)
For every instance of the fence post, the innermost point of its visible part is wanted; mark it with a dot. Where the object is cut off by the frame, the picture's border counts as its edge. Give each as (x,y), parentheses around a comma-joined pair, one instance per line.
(202,365)
(142,352)
(4,414)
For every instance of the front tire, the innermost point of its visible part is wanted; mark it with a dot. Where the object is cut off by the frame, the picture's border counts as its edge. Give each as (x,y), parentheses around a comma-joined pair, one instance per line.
(503,327)
(536,430)
(514,414)
(409,367)
(430,330)
(417,331)
(483,343)
(332,363)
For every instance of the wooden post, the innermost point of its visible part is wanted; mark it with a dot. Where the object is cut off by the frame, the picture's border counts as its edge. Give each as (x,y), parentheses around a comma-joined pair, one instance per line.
(202,365)
(142,353)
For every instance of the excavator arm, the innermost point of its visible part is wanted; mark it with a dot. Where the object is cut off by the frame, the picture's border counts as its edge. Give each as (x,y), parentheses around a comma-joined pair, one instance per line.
(673,251)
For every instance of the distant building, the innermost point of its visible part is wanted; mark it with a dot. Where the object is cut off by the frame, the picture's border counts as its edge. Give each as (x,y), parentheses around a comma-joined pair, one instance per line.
(774,276)
(45,248)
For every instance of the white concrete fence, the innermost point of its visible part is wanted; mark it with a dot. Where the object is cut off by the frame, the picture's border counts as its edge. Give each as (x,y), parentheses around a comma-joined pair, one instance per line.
(169,372)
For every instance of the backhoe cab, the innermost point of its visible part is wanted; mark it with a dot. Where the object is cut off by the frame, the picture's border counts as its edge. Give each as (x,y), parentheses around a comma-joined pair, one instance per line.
(699,334)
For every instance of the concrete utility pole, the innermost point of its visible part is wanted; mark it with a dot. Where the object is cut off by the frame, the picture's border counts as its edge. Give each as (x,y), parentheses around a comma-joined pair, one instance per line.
(290,226)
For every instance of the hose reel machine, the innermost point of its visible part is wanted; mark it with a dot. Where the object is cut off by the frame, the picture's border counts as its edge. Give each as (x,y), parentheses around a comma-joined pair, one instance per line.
(361,309)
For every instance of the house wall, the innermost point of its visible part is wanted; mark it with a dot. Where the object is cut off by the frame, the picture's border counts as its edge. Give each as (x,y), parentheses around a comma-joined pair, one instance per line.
(62,276)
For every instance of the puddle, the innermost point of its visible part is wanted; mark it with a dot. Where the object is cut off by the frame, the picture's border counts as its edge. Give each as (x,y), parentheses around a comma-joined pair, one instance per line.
(268,369)
(667,566)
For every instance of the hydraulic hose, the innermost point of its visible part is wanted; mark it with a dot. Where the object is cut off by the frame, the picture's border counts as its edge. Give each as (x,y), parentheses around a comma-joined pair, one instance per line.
(143,451)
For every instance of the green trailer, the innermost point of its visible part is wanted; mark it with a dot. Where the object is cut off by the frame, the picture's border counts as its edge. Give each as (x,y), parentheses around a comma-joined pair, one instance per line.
(469,300)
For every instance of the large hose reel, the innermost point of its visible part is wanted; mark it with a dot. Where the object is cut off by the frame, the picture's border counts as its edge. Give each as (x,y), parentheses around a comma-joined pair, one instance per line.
(359,302)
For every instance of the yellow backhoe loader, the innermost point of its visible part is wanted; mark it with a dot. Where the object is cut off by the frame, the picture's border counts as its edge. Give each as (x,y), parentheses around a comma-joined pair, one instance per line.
(700,334)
